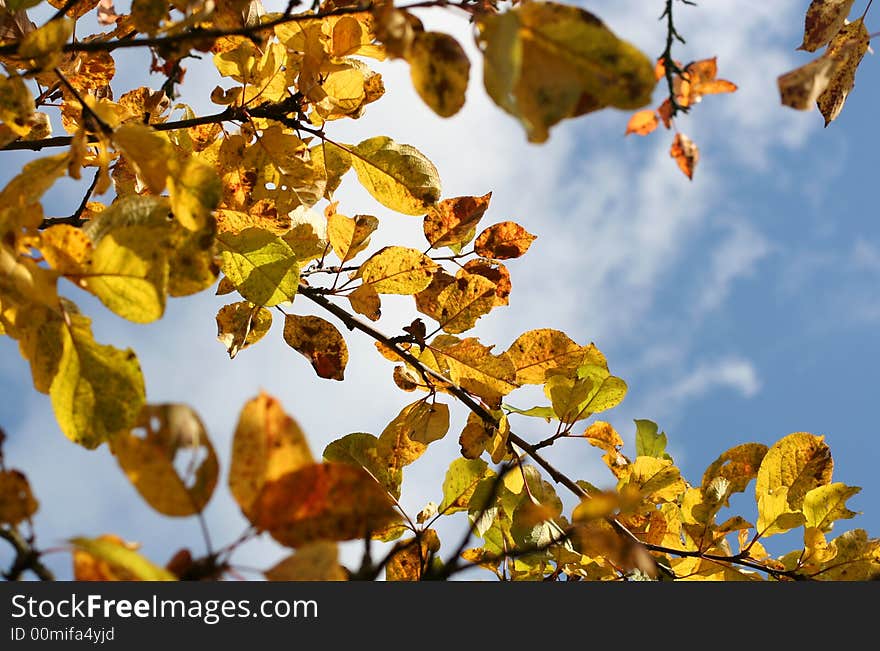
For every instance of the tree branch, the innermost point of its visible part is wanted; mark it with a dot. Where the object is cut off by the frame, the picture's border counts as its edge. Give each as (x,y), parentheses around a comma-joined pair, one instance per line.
(26,557)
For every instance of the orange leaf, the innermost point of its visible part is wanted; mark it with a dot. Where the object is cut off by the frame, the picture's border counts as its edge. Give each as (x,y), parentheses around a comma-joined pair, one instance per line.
(685,153)
(318,341)
(643,122)
(503,241)
(323,501)
(665,113)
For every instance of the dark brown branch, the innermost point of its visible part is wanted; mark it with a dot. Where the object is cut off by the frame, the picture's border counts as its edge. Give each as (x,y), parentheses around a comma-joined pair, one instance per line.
(26,558)
(670,67)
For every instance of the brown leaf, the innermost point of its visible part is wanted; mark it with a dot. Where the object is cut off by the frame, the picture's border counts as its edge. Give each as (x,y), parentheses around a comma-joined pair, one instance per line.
(848,49)
(823,21)
(319,342)
(685,153)
(453,221)
(503,241)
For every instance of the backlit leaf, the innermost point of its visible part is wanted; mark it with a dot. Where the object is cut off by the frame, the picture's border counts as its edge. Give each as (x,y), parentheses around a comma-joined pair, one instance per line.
(847,48)
(686,154)
(398,270)
(349,236)
(738,466)
(242,324)
(461,479)
(363,450)
(318,341)
(120,561)
(453,221)
(503,241)
(545,61)
(261,265)
(643,122)
(798,462)
(169,459)
(440,70)
(98,390)
(775,515)
(650,442)
(267,444)
(823,21)
(365,300)
(317,561)
(407,437)
(462,302)
(411,558)
(323,501)
(398,176)
(824,505)
(537,351)
(17,502)
(195,190)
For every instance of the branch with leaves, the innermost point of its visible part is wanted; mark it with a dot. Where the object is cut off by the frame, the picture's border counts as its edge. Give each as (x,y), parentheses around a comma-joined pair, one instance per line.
(230,200)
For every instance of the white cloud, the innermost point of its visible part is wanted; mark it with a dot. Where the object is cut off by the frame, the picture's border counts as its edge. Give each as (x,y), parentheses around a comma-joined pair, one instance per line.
(735,257)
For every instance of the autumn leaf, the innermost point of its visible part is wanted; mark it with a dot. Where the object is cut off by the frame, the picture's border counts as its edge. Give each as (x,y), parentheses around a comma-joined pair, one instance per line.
(798,463)
(459,484)
(109,558)
(453,221)
(397,270)
(318,341)
(365,300)
(847,48)
(166,438)
(267,444)
(503,241)
(322,501)
(362,450)
(398,176)
(17,502)
(440,70)
(545,62)
(313,562)
(261,265)
(801,87)
(410,559)
(535,352)
(823,21)
(241,325)
(349,236)
(643,122)
(685,153)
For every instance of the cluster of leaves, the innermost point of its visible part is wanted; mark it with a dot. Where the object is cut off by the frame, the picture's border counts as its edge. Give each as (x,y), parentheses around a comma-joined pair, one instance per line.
(827,80)
(230,199)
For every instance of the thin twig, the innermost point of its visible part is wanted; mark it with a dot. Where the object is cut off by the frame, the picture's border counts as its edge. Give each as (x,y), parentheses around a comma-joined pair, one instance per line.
(26,557)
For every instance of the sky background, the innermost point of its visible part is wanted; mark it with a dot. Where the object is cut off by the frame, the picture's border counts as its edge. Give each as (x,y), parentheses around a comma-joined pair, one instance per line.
(739,307)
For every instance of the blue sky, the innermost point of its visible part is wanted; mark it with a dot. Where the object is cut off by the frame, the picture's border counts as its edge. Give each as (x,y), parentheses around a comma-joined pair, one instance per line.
(739,307)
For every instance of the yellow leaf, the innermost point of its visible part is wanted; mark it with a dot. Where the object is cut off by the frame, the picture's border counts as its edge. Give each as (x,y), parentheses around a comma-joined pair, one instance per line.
(261,265)
(148,150)
(44,45)
(798,462)
(129,272)
(537,351)
(323,501)
(440,70)
(365,300)
(410,558)
(398,270)
(167,437)
(98,390)
(656,479)
(545,61)
(775,514)
(195,190)
(738,466)
(362,450)
(494,272)
(307,235)
(66,249)
(407,437)
(503,241)
(319,342)
(16,104)
(824,505)
(350,236)
(847,49)
(473,367)
(478,437)
(26,188)
(242,324)
(823,21)
(460,482)
(398,176)
(856,558)
(317,561)
(109,558)
(192,267)
(333,162)
(453,221)
(462,302)
(17,502)
(643,122)
(267,444)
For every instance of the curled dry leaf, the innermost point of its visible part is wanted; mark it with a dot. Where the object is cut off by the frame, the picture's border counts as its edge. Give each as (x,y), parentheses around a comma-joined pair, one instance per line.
(686,154)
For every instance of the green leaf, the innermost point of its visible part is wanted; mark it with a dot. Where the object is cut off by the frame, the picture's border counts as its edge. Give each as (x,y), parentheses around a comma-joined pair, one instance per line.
(650,443)
(261,265)
(546,413)
(460,482)
(361,449)
(398,176)
(98,390)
